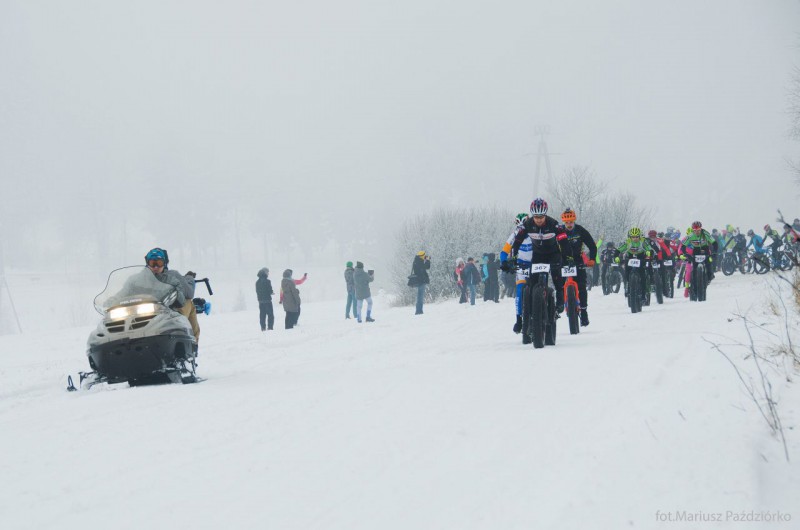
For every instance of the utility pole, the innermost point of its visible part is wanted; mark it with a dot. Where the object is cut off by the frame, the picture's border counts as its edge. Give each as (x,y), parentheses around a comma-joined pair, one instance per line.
(542,154)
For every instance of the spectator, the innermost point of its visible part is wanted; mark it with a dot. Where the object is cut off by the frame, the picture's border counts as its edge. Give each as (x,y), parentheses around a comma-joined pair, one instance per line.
(471,278)
(419,277)
(459,280)
(362,280)
(351,292)
(491,290)
(301,281)
(264,293)
(291,299)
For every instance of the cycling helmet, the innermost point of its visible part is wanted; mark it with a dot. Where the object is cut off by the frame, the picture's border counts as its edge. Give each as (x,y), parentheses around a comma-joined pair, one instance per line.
(610,245)
(520,218)
(652,234)
(670,229)
(697,225)
(157,253)
(635,232)
(750,233)
(660,235)
(538,206)
(568,216)
(730,228)
(767,228)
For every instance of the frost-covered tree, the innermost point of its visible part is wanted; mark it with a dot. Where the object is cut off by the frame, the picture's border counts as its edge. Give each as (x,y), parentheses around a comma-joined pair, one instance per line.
(602,211)
(445,235)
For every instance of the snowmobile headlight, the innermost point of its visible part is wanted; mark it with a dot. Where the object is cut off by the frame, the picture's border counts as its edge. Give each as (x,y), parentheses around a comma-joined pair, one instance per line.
(138,309)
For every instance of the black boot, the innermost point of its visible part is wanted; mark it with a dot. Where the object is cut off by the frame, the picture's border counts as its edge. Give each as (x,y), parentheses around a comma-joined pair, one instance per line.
(518,324)
(584,317)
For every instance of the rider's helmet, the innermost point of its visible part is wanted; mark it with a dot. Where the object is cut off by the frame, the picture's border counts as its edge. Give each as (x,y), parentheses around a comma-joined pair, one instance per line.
(750,233)
(660,235)
(635,232)
(520,218)
(156,254)
(714,231)
(697,225)
(652,234)
(568,216)
(610,245)
(730,228)
(767,228)
(538,206)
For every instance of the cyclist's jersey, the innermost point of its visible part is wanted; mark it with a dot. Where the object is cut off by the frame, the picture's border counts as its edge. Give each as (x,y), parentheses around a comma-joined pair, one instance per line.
(576,238)
(662,249)
(525,252)
(548,240)
(699,241)
(757,243)
(608,254)
(772,234)
(635,247)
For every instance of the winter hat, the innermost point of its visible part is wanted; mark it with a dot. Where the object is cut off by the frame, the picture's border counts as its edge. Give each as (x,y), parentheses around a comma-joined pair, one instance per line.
(421,253)
(263,272)
(359,265)
(287,273)
(348,264)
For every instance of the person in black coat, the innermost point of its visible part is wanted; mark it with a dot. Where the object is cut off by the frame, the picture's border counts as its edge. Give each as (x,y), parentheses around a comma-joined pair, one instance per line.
(577,237)
(264,293)
(419,277)
(491,290)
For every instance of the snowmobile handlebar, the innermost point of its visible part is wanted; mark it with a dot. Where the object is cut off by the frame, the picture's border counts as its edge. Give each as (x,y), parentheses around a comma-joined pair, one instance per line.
(208,285)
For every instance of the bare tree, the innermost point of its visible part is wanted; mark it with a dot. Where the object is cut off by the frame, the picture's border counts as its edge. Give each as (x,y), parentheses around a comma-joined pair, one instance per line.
(578,188)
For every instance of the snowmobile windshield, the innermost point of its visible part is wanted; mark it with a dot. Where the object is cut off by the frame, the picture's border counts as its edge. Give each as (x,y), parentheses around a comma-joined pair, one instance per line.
(131,285)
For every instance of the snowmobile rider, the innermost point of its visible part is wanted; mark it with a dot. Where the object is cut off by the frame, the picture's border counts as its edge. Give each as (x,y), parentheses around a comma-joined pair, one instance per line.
(157,261)
(577,236)
(549,245)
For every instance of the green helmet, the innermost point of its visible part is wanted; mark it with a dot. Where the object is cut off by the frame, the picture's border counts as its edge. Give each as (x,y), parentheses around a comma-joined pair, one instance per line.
(635,232)
(520,218)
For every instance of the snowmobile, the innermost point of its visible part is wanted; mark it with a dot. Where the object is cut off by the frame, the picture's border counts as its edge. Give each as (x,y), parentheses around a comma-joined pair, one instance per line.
(141,339)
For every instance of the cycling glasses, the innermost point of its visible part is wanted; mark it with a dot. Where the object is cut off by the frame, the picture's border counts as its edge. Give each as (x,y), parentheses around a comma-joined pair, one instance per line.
(153,263)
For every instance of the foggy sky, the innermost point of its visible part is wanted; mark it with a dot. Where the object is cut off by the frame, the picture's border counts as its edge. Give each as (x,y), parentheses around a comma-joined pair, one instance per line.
(358,114)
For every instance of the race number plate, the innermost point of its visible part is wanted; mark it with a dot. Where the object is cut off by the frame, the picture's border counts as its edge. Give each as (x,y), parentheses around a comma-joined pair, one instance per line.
(667,262)
(569,271)
(634,263)
(540,267)
(700,258)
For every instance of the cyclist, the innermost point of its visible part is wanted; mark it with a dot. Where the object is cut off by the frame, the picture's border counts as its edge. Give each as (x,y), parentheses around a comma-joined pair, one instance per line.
(577,237)
(607,258)
(523,262)
(776,243)
(635,245)
(700,242)
(548,244)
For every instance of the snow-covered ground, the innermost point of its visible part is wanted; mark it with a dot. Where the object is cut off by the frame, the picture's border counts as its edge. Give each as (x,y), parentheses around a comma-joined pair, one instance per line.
(437,421)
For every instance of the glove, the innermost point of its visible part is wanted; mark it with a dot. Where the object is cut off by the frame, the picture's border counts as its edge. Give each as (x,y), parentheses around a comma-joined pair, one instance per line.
(192,274)
(647,254)
(504,266)
(682,257)
(616,260)
(710,259)
(590,263)
(570,261)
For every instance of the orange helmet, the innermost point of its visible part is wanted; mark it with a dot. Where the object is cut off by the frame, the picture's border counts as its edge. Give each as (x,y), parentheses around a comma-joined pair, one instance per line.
(568,216)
